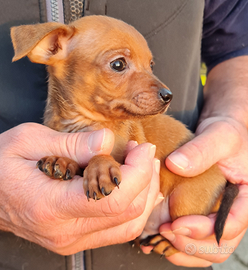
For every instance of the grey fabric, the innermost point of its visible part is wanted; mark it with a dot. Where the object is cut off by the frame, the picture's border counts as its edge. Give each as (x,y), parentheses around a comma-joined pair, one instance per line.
(126,257)
(73,10)
(18,254)
(23,87)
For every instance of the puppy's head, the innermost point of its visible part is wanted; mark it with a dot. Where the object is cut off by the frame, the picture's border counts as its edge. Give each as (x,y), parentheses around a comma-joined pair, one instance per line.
(101,65)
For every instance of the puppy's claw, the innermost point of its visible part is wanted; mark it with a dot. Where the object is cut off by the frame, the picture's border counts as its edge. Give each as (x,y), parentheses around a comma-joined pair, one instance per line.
(67,175)
(116,181)
(39,165)
(103,191)
(47,169)
(57,174)
(132,244)
(95,196)
(88,195)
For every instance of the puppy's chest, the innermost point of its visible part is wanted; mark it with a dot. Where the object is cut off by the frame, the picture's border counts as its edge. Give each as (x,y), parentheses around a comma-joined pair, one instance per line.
(130,131)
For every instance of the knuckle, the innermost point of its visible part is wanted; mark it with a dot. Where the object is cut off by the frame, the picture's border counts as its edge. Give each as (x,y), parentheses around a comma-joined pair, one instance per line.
(21,134)
(25,129)
(58,244)
(196,148)
(198,152)
(68,142)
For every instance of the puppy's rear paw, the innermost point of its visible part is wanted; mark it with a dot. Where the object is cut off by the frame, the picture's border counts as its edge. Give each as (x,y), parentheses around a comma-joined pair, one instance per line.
(101,176)
(59,167)
(160,245)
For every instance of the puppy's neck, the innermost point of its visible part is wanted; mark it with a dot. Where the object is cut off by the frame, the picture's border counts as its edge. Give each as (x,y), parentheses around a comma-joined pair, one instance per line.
(62,113)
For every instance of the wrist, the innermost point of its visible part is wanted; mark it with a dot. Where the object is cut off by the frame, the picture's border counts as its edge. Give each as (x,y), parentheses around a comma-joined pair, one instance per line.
(226,91)
(235,115)
(204,123)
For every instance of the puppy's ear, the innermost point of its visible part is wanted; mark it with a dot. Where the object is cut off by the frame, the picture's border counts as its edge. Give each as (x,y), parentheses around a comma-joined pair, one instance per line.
(42,43)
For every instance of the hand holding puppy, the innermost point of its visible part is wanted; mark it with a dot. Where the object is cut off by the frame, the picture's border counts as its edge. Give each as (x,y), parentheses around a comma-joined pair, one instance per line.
(222,138)
(227,141)
(56,214)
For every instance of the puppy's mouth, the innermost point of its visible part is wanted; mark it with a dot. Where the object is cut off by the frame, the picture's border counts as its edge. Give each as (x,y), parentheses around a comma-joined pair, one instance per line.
(143,104)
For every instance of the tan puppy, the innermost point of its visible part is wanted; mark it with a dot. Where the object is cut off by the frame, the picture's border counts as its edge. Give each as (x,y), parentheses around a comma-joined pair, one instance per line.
(100,76)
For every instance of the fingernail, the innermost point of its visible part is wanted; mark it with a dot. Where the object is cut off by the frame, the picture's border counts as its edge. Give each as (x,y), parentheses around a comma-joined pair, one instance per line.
(157,165)
(95,140)
(179,160)
(183,231)
(169,235)
(152,151)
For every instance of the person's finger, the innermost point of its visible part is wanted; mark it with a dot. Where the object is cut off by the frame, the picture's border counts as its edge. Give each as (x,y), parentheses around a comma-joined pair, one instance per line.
(194,226)
(207,249)
(217,141)
(130,145)
(182,259)
(151,200)
(196,243)
(146,249)
(196,233)
(77,146)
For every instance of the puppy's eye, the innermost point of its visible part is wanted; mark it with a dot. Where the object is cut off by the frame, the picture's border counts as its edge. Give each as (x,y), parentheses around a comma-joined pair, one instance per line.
(152,64)
(118,64)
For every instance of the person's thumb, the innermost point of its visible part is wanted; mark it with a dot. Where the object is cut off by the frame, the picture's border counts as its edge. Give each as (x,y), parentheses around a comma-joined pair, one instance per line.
(216,141)
(81,147)
(34,141)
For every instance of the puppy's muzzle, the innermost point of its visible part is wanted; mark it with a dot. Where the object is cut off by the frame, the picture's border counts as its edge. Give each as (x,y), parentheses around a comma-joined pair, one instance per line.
(165,95)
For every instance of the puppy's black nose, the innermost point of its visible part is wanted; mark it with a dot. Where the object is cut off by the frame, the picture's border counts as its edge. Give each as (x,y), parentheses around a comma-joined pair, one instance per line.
(165,95)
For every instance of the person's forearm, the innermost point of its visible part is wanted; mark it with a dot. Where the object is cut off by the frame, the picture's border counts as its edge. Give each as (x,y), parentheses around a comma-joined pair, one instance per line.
(226,91)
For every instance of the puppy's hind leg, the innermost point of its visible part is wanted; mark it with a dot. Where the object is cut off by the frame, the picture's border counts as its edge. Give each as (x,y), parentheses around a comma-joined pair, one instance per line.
(196,195)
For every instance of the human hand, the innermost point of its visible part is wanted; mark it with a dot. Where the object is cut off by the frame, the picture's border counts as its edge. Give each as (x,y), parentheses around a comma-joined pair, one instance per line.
(56,214)
(224,141)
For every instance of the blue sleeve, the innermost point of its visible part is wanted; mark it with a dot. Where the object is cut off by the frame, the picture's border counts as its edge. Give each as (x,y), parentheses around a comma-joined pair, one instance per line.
(225,31)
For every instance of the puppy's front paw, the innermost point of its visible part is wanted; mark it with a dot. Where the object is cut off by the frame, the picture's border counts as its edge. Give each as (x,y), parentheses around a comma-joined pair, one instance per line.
(160,245)
(59,167)
(101,176)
